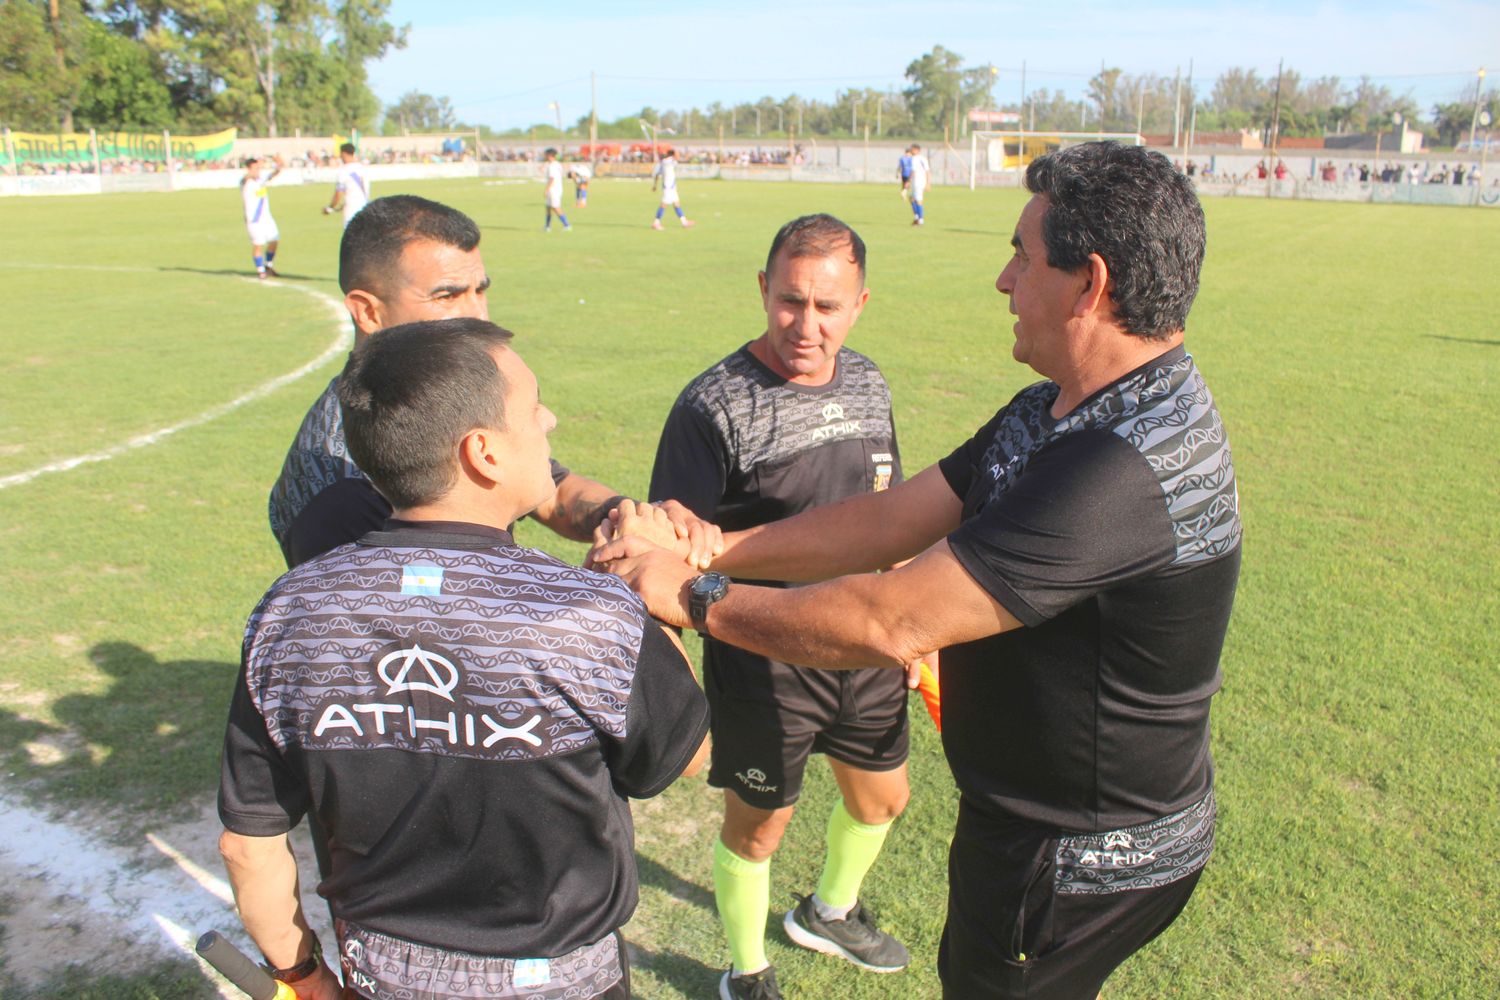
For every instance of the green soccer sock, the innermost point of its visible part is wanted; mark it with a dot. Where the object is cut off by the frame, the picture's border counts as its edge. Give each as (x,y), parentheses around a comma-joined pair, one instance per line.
(742,890)
(852,849)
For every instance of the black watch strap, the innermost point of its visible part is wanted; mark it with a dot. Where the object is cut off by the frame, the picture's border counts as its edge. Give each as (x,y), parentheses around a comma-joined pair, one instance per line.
(302,969)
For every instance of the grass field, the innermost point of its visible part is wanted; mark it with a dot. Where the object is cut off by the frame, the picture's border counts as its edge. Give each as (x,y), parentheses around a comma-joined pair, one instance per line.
(1354,355)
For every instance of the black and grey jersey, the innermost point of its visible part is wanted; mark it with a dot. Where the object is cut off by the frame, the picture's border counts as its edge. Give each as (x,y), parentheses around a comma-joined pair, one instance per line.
(466,718)
(742,446)
(1113,534)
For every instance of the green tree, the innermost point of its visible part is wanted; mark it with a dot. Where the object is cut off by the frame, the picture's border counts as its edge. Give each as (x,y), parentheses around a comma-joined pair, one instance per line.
(419,112)
(362,33)
(936,86)
(120,88)
(30,93)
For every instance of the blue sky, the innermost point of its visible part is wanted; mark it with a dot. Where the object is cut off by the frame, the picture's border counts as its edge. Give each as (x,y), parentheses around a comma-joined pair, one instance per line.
(502,63)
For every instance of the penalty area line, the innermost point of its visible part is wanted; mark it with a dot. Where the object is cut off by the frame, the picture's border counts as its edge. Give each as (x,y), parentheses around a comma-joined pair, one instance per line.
(339,344)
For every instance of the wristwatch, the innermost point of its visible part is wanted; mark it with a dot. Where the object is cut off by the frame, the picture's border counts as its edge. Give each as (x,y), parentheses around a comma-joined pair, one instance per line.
(703,590)
(302,969)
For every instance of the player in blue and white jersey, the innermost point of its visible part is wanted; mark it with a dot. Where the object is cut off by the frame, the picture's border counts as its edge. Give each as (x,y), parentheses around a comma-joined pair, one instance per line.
(351,185)
(921,172)
(666,174)
(264,236)
(552,195)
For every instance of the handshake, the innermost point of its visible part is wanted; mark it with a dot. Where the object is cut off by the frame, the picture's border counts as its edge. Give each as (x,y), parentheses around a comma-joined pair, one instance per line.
(657,549)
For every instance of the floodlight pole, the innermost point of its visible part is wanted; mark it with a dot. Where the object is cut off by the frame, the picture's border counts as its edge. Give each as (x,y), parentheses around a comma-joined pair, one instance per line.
(1478,93)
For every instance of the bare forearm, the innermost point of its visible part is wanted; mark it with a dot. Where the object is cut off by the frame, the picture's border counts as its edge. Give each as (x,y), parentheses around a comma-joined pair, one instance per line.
(263,874)
(575,509)
(840,625)
(857,535)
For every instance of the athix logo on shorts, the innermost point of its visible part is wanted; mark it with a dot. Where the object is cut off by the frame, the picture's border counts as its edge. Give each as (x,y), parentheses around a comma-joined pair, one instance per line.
(1116,852)
(414,670)
(754,779)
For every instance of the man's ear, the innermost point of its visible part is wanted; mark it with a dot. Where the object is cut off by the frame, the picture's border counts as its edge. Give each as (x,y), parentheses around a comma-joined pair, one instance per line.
(367,311)
(479,456)
(1094,294)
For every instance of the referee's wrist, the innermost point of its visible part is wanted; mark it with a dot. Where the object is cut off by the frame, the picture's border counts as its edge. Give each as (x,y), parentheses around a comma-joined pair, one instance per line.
(602,514)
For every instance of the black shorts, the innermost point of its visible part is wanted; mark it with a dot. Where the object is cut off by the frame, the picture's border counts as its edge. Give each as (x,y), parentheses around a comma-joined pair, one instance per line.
(767,717)
(1021,924)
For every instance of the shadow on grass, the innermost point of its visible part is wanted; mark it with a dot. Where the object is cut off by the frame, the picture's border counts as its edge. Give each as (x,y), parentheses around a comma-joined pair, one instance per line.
(1482,341)
(657,875)
(247,273)
(149,740)
(687,974)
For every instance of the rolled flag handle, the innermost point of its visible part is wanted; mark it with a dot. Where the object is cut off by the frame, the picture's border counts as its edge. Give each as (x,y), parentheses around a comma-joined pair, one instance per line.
(233,965)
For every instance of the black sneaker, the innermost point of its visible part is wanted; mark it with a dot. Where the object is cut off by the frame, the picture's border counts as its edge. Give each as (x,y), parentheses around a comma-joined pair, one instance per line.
(855,938)
(754,986)
(271,271)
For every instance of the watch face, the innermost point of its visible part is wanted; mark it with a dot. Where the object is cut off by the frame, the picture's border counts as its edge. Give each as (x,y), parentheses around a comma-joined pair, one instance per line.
(709,584)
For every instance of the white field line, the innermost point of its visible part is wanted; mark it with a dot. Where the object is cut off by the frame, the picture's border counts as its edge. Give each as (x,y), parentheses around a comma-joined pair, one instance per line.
(121,906)
(339,344)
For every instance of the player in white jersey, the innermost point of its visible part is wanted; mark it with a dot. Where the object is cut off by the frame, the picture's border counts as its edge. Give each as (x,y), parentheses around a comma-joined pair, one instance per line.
(351,185)
(666,173)
(553,177)
(262,228)
(581,174)
(921,171)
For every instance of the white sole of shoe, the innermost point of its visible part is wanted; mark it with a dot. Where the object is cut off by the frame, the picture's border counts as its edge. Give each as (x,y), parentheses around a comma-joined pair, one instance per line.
(807,939)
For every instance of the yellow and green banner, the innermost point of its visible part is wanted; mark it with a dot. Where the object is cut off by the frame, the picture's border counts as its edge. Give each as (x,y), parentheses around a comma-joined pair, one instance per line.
(61,147)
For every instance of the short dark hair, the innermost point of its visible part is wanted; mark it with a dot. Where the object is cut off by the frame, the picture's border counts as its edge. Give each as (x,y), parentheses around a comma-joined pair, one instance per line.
(378,234)
(819,235)
(1136,211)
(549,151)
(410,393)
(347,147)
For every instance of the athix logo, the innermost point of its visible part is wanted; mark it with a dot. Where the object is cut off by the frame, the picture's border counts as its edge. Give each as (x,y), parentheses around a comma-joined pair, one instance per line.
(1116,852)
(832,412)
(1115,839)
(409,669)
(754,779)
(442,675)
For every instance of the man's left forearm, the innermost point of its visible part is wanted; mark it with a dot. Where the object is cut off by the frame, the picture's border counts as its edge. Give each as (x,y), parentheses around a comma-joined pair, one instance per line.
(263,874)
(577,507)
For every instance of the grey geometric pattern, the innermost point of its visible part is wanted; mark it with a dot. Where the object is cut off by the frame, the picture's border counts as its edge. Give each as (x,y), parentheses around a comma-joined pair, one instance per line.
(317,459)
(763,419)
(388,968)
(1168,415)
(518,657)
(1138,857)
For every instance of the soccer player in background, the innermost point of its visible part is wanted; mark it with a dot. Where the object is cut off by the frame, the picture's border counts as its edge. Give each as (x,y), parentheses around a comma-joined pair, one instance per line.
(552,195)
(903,172)
(921,171)
(581,175)
(666,173)
(790,421)
(264,236)
(351,188)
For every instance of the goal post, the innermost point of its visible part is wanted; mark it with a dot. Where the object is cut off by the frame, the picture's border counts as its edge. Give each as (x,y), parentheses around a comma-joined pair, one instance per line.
(995,153)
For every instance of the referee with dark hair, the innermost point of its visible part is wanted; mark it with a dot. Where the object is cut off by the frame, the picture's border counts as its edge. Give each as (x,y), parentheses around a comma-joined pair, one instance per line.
(464,717)
(1075,560)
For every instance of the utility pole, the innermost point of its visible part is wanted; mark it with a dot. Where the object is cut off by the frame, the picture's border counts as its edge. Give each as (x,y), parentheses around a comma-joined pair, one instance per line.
(1177,109)
(1474,120)
(1275,124)
(1190,98)
(594,120)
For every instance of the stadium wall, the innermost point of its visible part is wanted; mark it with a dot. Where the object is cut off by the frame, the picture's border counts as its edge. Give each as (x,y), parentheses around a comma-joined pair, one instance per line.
(835,165)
